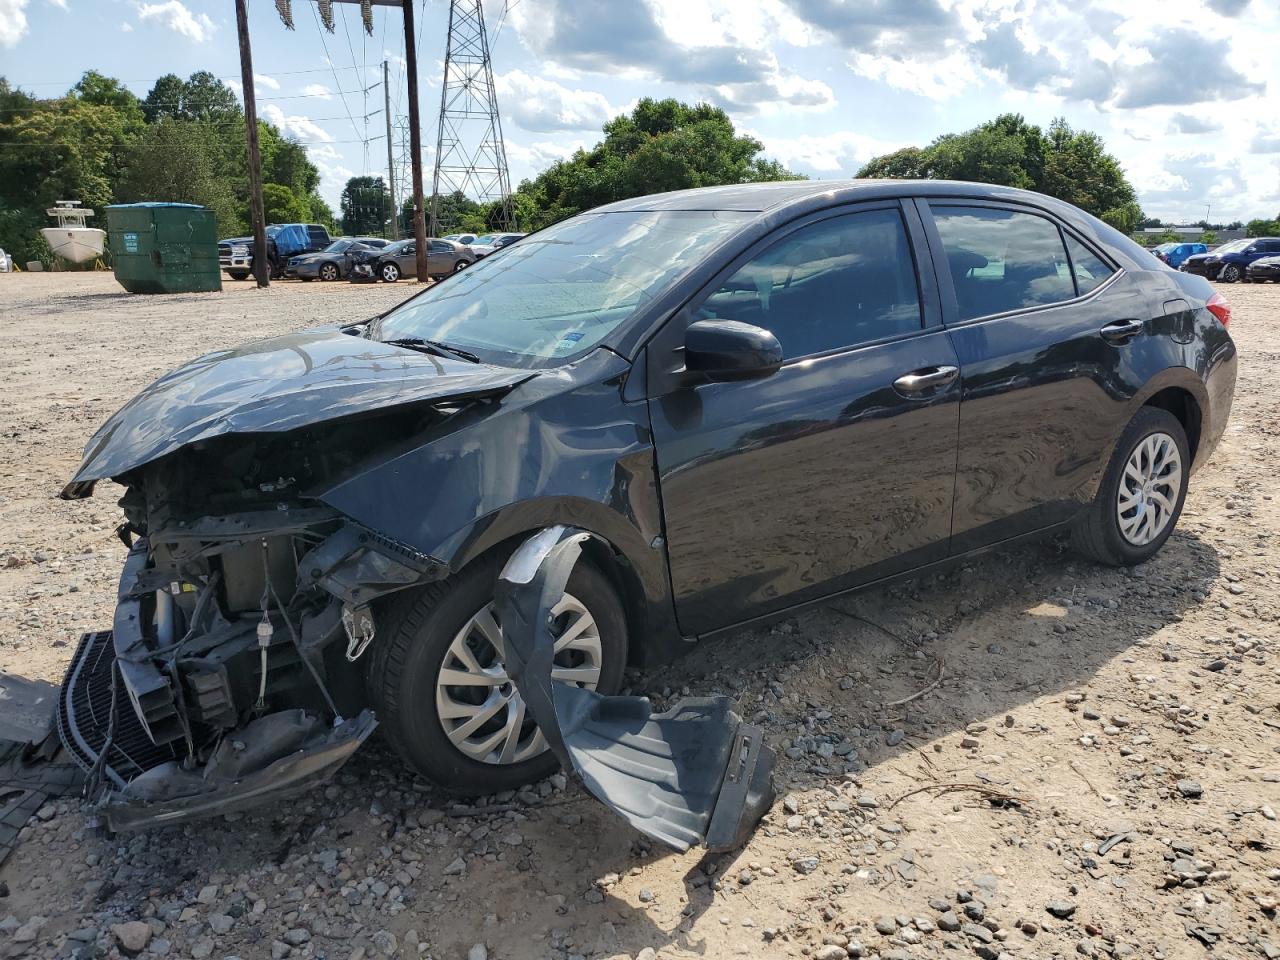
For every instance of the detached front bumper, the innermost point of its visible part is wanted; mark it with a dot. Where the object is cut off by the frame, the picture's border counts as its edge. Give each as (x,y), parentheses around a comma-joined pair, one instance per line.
(362,273)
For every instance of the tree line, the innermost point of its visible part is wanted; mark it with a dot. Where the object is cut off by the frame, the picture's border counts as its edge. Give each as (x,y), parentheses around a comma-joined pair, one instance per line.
(100,144)
(184,141)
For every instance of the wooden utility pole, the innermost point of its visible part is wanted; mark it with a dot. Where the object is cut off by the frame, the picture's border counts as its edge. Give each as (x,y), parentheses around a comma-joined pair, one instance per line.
(261,268)
(415,141)
(391,165)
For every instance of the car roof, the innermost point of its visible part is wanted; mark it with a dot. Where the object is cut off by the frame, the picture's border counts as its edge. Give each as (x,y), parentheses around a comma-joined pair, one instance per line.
(795,197)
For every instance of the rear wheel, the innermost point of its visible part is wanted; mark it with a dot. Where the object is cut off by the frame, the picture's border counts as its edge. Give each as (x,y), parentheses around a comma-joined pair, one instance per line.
(329,271)
(1141,495)
(389,272)
(439,686)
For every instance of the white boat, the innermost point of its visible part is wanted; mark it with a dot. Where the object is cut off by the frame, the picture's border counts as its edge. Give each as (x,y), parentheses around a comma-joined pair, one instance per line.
(71,239)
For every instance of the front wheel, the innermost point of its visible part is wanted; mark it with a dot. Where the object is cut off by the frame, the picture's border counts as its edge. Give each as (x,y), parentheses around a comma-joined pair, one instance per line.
(1230,273)
(239,275)
(461,265)
(1141,495)
(389,272)
(439,686)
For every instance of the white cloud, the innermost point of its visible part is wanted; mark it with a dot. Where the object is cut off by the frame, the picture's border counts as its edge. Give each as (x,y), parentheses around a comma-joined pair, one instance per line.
(542,105)
(13,22)
(265,81)
(840,153)
(177,17)
(60,4)
(126,27)
(318,90)
(296,125)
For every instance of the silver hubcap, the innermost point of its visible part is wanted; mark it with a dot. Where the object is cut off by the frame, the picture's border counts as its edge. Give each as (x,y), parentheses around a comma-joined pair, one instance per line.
(481,710)
(1149,489)
(390,273)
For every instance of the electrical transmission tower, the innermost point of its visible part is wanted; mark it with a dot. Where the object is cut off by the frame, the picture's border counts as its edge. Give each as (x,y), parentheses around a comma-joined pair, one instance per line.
(470,155)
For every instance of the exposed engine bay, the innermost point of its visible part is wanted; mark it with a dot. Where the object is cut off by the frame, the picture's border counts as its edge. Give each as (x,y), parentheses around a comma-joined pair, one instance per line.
(243,607)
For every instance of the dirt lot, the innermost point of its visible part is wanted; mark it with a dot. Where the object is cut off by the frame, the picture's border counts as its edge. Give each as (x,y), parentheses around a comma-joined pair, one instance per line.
(1133,715)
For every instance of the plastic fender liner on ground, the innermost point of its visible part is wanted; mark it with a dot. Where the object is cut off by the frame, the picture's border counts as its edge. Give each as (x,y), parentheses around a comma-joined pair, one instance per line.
(694,774)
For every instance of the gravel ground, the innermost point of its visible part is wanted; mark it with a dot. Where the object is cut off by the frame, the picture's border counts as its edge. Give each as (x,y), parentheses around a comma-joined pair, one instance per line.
(1096,773)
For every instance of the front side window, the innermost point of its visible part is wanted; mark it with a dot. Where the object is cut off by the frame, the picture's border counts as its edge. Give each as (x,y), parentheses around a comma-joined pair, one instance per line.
(565,288)
(1088,270)
(1002,260)
(830,285)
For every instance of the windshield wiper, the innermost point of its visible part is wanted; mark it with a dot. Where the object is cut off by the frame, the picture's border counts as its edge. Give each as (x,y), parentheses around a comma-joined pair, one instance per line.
(434,346)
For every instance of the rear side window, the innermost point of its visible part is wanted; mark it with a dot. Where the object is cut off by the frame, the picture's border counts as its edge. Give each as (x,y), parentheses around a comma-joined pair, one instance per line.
(1088,270)
(1003,260)
(830,285)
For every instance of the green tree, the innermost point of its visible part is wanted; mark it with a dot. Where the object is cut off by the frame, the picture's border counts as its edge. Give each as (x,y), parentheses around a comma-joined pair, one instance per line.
(1209,238)
(202,96)
(363,206)
(661,145)
(1064,163)
(1263,228)
(184,161)
(282,205)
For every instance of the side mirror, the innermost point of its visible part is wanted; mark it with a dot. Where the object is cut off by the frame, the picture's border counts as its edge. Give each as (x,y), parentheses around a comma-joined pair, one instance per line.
(730,350)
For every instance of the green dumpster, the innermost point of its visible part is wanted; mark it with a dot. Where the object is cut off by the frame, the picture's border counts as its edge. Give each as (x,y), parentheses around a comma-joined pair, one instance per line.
(164,247)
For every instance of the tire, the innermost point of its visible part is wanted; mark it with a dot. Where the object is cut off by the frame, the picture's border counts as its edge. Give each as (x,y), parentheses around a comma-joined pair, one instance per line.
(461,265)
(329,272)
(1230,273)
(389,272)
(239,275)
(413,645)
(1099,533)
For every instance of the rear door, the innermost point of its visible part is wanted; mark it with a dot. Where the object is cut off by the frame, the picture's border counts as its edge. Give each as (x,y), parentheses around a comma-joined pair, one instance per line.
(837,469)
(1049,336)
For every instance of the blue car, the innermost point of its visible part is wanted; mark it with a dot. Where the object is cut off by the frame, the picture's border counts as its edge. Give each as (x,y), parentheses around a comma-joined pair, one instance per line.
(1229,261)
(1174,253)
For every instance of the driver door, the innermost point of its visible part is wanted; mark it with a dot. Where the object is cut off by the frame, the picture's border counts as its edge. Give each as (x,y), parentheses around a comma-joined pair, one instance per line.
(837,469)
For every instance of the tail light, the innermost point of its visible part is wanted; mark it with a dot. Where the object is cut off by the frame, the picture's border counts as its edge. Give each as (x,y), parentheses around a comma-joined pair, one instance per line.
(1219,307)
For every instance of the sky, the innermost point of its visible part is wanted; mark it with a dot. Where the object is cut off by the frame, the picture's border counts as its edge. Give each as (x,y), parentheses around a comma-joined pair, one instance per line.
(1186,93)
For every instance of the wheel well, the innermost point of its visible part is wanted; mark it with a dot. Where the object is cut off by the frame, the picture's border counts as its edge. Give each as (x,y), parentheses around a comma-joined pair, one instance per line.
(1182,405)
(610,561)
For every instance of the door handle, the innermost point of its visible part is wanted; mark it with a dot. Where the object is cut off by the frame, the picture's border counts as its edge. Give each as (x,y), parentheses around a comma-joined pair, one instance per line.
(918,381)
(1122,331)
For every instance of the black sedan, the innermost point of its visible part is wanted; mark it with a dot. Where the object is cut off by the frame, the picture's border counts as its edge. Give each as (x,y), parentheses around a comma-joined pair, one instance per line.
(1267,268)
(751,398)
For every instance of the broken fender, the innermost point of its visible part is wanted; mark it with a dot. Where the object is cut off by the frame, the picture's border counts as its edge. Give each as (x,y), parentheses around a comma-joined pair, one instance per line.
(694,774)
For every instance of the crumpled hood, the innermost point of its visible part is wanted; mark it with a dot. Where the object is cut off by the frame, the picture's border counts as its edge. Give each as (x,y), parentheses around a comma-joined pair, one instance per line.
(274,386)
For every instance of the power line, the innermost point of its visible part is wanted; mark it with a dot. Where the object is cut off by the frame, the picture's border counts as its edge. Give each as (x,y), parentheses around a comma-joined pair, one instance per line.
(328,59)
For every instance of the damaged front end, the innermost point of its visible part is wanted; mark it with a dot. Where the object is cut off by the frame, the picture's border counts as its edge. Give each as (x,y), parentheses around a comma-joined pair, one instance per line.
(228,674)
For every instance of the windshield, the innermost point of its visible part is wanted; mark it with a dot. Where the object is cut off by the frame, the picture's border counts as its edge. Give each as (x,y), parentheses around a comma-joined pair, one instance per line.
(1235,246)
(1166,247)
(486,239)
(564,289)
(338,246)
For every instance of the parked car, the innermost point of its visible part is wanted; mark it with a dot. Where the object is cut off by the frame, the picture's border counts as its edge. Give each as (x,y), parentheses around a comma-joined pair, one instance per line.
(400,259)
(492,242)
(6,262)
(1174,253)
(1263,269)
(1229,261)
(751,397)
(466,239)
(334,261)
(284,240)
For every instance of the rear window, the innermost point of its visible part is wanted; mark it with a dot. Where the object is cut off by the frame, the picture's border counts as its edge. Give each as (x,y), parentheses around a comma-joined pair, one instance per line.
(1003,260)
